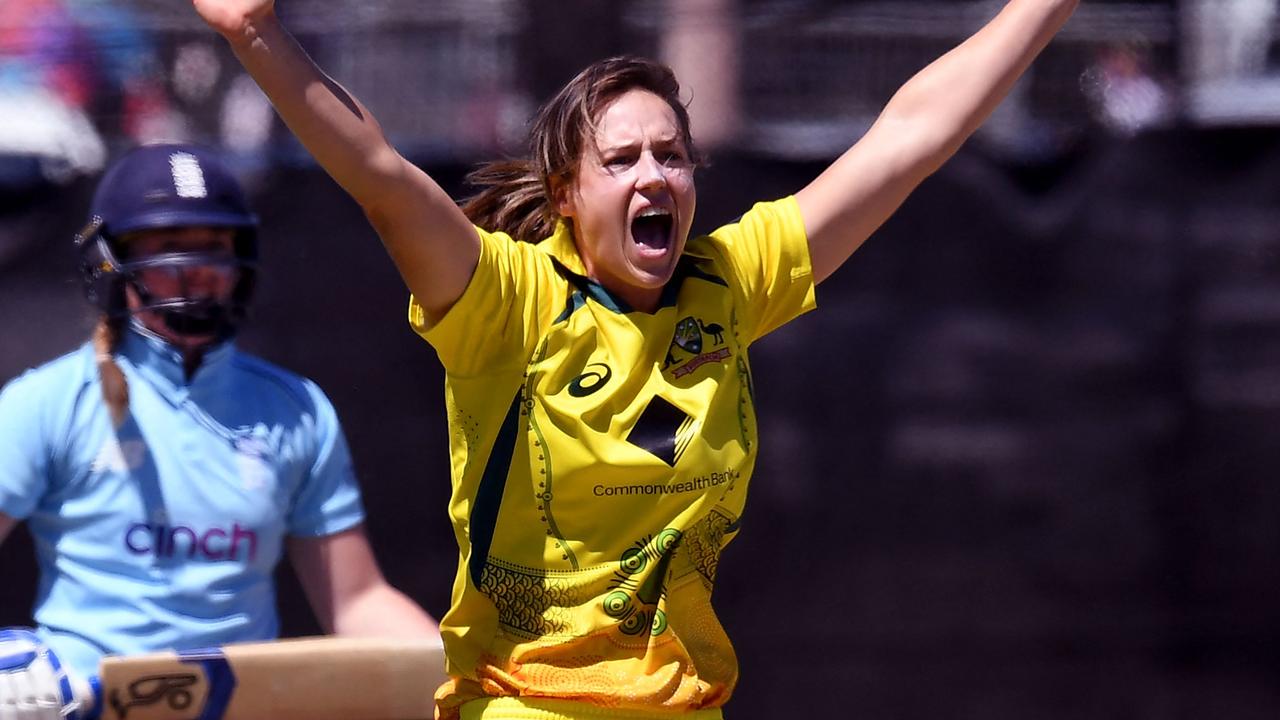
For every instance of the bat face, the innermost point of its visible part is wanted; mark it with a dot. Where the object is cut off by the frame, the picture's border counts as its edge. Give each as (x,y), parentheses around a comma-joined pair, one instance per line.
(313,678)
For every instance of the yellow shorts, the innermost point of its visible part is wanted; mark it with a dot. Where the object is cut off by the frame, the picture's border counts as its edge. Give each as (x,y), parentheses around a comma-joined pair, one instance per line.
(510,708)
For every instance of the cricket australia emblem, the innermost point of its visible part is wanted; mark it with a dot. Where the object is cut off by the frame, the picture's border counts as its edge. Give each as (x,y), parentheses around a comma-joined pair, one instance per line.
(694,344)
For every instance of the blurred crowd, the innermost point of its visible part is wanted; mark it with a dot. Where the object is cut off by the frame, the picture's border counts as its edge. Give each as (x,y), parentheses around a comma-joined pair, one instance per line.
(80,78)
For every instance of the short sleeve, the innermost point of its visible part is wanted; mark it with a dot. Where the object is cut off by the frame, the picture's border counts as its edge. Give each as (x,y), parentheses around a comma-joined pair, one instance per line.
(25,452)
(328,501)
(767,252)
(497,319)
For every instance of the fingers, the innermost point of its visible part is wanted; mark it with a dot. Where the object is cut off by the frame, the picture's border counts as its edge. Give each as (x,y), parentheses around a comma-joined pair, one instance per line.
(20,698)
(32,683)
(232,18)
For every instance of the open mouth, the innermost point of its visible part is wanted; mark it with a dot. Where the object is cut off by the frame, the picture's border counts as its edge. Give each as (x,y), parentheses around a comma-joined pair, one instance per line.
(651,229)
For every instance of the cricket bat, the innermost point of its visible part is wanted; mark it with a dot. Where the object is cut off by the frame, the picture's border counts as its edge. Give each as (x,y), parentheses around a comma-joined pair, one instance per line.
(323,678)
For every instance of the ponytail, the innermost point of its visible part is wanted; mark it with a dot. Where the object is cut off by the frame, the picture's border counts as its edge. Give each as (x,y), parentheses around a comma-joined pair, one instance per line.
(512,198)
(115,388)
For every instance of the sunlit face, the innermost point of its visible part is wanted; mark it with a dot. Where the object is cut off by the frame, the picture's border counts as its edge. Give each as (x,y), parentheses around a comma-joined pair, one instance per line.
(632,199)
(213,281)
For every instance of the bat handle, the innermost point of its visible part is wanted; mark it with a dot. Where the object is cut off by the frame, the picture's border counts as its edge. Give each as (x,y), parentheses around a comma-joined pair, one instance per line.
(88,695)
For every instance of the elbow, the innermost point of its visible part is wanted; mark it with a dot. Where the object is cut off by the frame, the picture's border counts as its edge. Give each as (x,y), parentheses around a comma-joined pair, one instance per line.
(378,185)
(923,145)
(940,152)
(1064,8)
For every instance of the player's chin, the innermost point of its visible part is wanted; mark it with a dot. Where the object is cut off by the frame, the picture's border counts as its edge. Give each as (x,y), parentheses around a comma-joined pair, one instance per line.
(652,268)
(651,276)
(189,342)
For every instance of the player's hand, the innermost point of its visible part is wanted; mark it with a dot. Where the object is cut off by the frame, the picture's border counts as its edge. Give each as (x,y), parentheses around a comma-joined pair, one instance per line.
(233,18)
(33,683)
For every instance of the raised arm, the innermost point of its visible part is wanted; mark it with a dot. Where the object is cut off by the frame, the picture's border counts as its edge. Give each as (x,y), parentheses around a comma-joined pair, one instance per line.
(431,242)
(923,125)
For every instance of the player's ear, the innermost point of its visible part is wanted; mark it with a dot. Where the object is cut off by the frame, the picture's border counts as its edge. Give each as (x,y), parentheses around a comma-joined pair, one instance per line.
(562,197)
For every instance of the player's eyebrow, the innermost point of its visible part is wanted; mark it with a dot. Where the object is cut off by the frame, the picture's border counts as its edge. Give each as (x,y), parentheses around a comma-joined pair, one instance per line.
(664,141)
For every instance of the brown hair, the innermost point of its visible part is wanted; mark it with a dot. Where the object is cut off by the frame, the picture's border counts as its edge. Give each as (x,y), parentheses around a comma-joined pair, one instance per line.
(515,196)
(115,389)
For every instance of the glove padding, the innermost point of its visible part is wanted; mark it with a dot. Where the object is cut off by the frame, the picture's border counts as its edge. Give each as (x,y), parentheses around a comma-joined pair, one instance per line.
(33,683)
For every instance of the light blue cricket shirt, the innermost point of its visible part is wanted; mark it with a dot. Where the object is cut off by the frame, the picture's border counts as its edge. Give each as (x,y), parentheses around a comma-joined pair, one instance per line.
(164,533)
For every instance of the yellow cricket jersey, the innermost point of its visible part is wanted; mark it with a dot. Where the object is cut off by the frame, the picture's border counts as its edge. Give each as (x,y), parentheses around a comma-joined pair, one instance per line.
(600,459)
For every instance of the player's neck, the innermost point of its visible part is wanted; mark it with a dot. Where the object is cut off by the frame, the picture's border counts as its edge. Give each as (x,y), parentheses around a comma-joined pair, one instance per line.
(191,360)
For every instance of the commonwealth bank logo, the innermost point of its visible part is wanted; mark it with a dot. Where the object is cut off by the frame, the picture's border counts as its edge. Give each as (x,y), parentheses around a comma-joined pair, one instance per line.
(664,430)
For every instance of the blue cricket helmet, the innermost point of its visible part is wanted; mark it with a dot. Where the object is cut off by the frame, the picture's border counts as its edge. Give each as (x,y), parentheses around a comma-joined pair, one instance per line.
(166,186)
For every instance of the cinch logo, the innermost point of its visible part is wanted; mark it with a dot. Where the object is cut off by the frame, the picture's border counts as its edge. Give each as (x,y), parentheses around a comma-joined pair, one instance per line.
(167,541)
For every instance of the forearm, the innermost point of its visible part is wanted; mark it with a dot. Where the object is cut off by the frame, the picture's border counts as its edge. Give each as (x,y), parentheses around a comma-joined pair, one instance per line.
(383,611)
(431,242)
(347,590)
(924,124)
(948,100)
(336,129)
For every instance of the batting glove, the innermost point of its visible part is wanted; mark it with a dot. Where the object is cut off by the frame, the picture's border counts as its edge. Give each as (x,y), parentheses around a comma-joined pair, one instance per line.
(33,683)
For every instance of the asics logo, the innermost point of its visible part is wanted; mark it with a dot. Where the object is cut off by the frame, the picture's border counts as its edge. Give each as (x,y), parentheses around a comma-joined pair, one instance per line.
(590,381)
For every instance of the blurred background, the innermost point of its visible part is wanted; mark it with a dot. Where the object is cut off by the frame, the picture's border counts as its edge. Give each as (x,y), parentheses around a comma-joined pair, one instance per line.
(1022,462)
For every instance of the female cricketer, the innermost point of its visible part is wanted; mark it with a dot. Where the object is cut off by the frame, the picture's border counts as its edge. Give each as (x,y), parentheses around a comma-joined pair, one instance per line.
(162,472)
(602,425)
